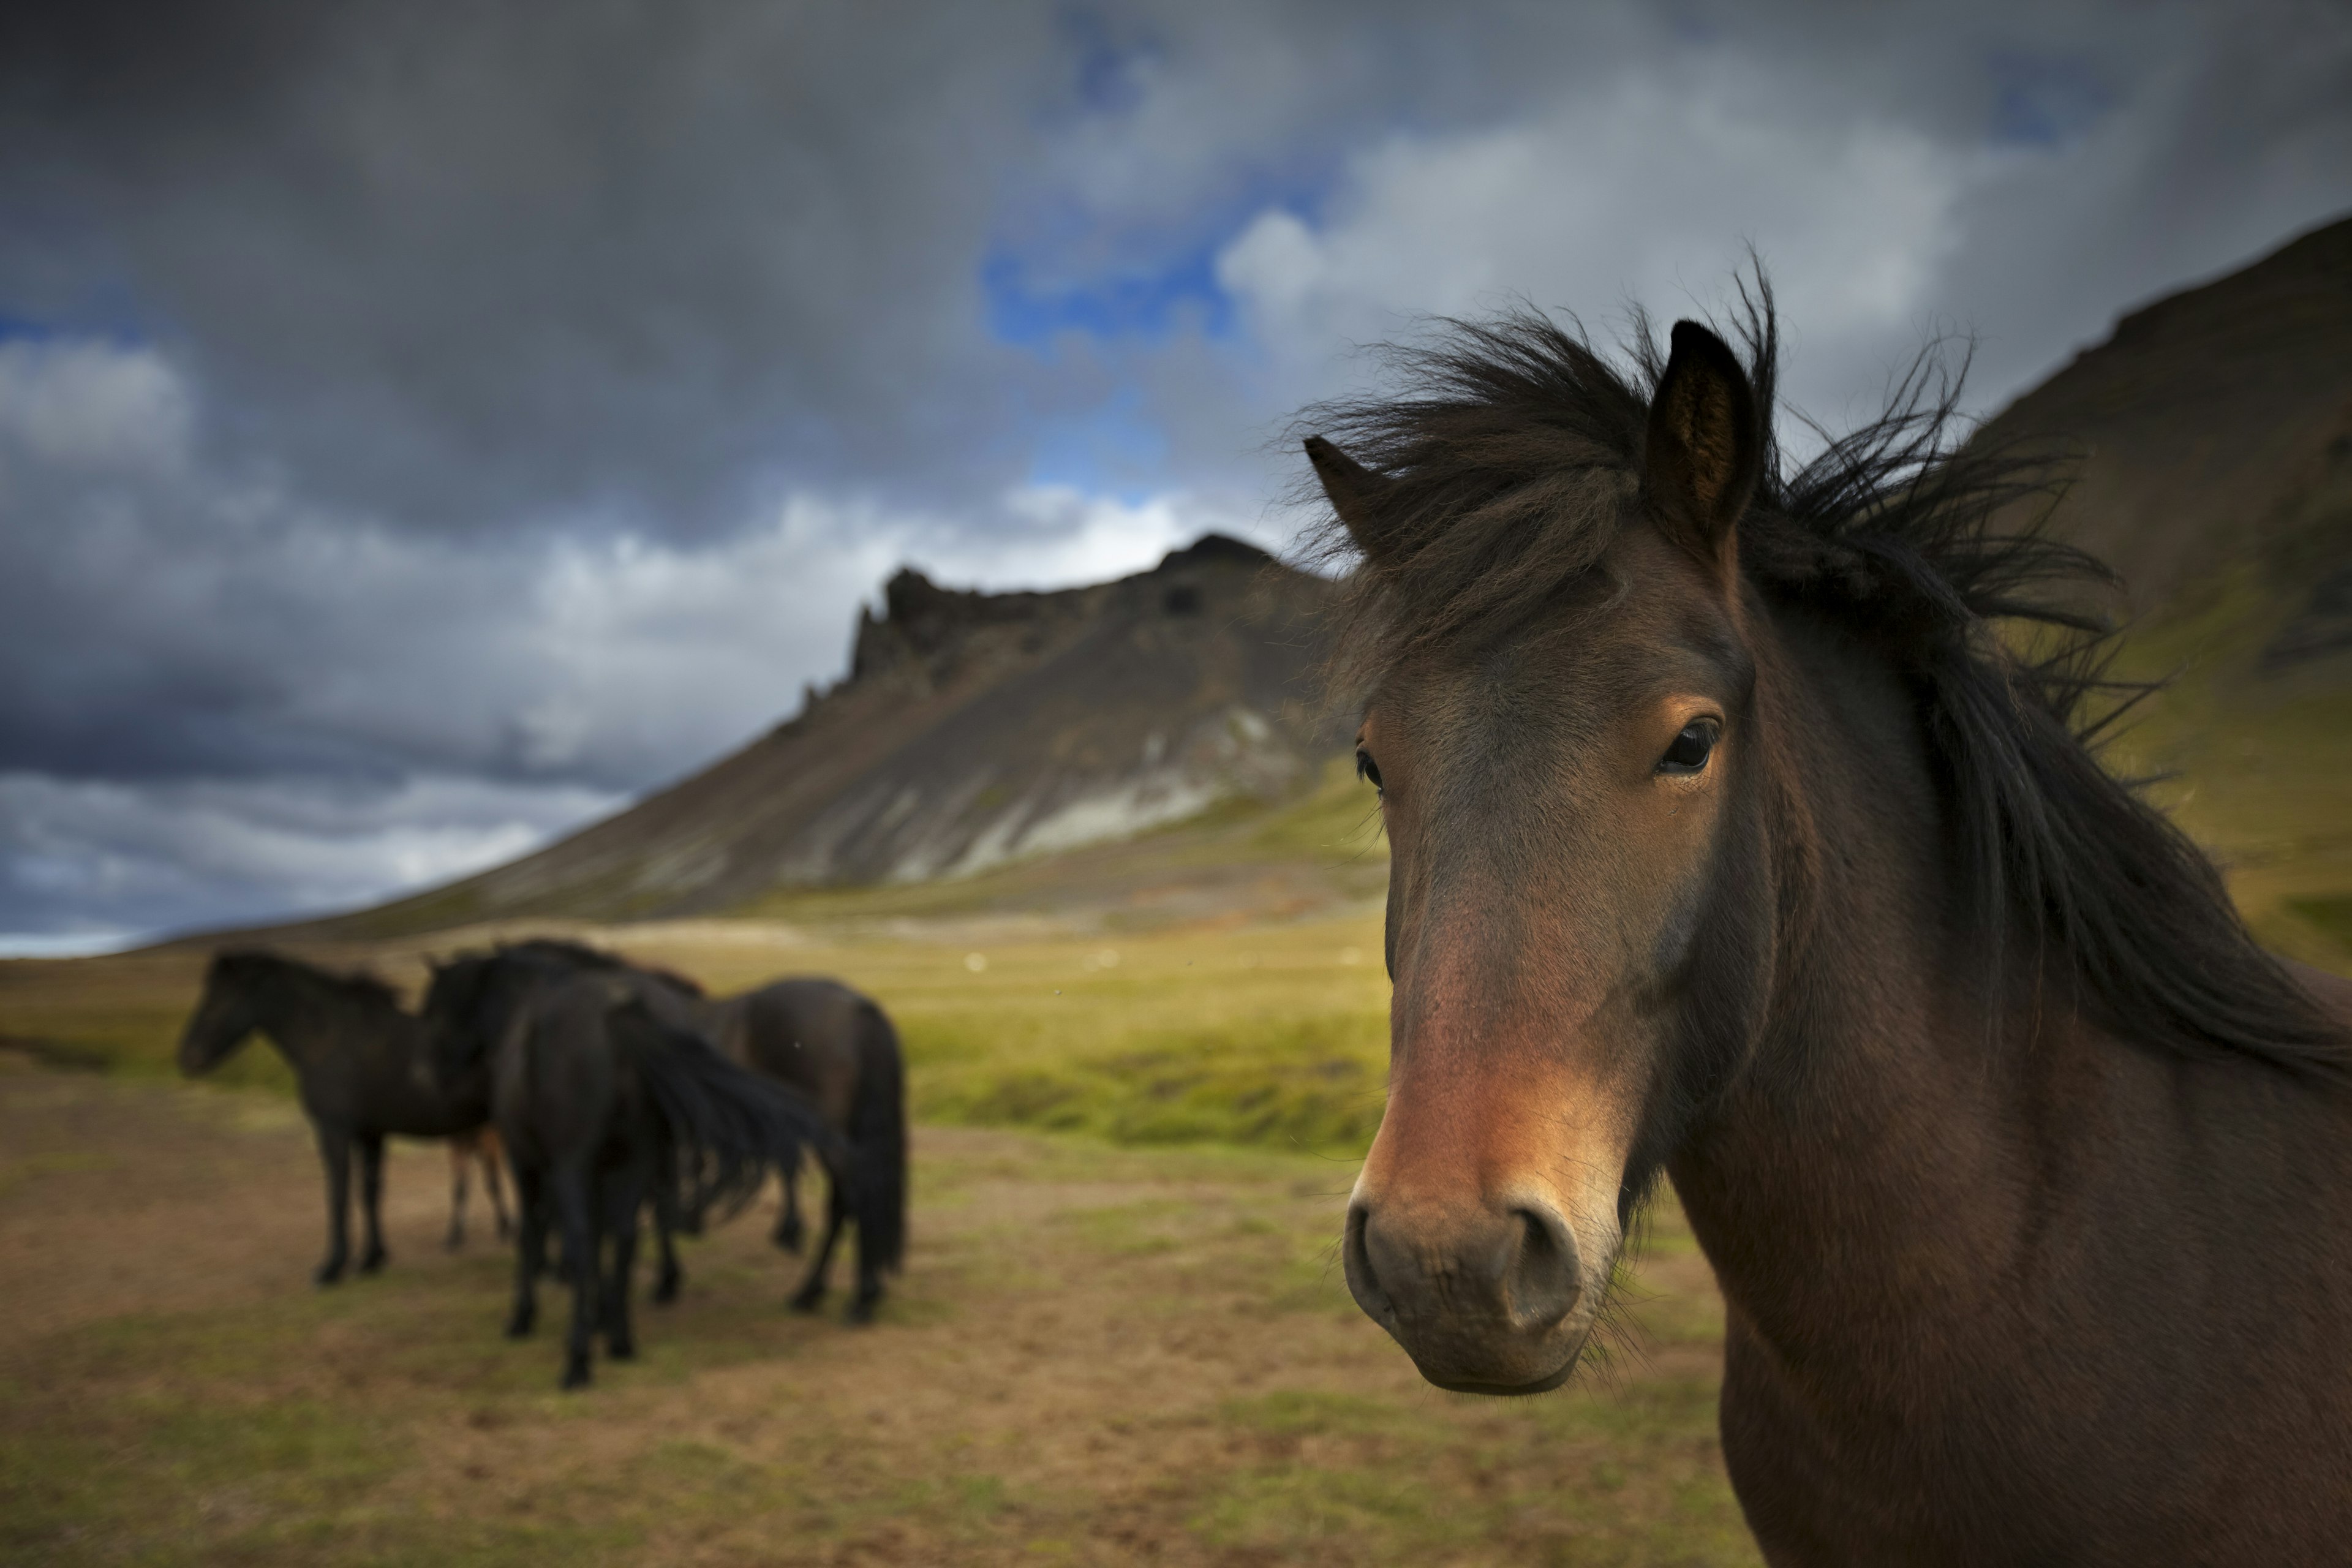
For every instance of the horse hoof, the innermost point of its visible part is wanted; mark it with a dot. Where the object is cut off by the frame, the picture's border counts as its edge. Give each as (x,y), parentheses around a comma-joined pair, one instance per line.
(575,1376)
(452,1242)
(666,1292)
(519,1328)
(622,1350)
(804,1302)
(861,1311)
(374,1262)
(327,1274)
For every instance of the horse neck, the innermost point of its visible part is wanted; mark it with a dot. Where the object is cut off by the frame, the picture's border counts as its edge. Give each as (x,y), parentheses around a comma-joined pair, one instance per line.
(1875,1160)
(306,1020)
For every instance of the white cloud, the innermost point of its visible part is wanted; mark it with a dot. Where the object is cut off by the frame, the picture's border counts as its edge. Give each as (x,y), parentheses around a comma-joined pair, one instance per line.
(89,403)
(145,858)
(1646,190)
(1058,536)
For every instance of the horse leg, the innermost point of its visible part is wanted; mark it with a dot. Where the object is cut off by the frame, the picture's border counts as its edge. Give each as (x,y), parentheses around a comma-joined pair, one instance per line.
(576,1214)
(335,1153)
(811,1295)
(790,1235)
(531,1250)
(665,1222)
(457,1237)
(486,1148)
(869,1282)
(625,1196)
(371,1200)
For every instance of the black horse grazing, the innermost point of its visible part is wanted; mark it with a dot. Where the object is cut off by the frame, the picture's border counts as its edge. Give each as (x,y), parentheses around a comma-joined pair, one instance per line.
(363,1068)
(837,1048)
(1730,837)
(673,1000)
(834,1045)
(601,1104)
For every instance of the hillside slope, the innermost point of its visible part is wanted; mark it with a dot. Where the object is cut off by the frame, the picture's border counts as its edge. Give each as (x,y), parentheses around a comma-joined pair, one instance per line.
(2213,433)
(974,731)
(2213,443)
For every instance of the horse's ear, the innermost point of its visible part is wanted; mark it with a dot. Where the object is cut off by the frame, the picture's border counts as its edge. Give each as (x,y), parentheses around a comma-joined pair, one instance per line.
(1706,446)
(1352,490)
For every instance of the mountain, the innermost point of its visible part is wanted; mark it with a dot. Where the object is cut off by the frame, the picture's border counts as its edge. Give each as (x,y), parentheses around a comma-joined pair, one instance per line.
(2213,443)
(973,730)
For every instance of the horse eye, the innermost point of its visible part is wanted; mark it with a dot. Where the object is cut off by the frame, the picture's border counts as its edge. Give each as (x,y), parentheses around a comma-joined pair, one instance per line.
(1689,752)
(1366,770)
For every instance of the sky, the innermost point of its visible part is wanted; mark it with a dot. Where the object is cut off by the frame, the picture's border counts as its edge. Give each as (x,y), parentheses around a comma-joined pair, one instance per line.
(425,428)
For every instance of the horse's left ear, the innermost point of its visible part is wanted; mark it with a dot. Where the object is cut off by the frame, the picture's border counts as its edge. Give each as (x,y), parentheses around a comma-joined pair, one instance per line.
(1706,446)
(1353,491)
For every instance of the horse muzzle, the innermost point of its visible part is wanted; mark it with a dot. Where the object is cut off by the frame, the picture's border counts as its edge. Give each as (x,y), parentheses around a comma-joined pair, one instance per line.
(1490,1298)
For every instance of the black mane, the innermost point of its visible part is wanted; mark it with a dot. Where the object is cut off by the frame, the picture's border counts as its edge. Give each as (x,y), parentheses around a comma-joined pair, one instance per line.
(580,955)
(1513,452)
(359,987)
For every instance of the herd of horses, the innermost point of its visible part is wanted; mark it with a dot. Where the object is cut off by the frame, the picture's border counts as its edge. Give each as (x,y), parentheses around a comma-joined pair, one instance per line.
(1736,837)
(611,1089)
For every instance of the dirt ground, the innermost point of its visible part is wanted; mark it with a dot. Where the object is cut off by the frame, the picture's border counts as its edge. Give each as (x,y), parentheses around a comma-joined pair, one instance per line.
(1095,1354)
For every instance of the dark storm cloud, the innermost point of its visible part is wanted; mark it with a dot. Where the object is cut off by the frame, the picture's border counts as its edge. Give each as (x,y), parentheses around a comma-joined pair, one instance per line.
(476,264)
(421,424)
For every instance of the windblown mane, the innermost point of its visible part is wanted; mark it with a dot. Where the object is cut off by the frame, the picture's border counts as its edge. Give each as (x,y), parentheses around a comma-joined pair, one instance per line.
(1515,454)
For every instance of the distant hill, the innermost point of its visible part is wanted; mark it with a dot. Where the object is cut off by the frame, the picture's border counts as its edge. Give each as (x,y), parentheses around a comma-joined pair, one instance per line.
(973,730)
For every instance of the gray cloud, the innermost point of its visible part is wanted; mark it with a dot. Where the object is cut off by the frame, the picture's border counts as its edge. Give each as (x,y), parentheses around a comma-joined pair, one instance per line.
(490,411)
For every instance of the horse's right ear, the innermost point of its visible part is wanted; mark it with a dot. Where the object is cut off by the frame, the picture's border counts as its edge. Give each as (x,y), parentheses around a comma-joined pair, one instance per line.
(1706,444)
(1352,490)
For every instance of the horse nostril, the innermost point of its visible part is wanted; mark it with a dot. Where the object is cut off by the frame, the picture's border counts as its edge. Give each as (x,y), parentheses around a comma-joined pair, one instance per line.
(1541,1281)
(1363,1283)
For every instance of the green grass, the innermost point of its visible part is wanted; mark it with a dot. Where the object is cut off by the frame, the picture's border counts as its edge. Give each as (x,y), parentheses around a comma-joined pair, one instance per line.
(2251,763)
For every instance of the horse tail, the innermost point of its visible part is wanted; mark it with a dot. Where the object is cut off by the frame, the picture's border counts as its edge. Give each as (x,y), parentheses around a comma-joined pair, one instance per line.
(877,1140)
(725,1125)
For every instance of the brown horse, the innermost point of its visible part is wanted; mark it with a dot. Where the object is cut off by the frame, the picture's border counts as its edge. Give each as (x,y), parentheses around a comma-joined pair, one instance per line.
(1730,840)
(479,1147)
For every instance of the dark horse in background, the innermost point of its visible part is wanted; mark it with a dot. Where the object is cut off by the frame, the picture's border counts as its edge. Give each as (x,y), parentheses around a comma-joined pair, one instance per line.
(602,1103)
(1730,840)
(364,1070)
(835,1046)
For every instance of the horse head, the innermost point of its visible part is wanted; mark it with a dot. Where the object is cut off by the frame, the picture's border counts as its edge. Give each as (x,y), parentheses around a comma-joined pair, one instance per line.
(1559,718)
(226,1016)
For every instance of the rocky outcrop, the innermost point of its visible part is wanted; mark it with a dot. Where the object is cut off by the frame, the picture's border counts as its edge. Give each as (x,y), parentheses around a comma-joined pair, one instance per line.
(973,729)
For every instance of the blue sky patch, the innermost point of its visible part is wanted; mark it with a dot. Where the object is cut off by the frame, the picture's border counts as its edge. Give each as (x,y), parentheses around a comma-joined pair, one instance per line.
(2044,101)
(1115,450)
(1147,304)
